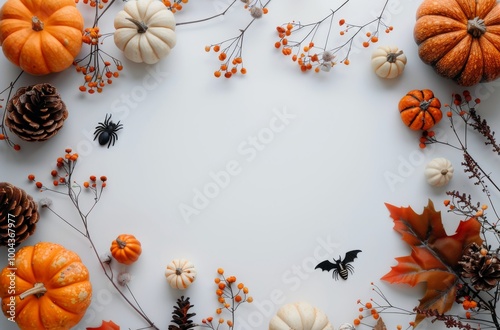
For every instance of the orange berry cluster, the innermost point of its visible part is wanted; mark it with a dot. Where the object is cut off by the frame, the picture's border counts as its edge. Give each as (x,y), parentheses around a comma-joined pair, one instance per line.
(372,37)
(479,212)
(64,168)
(95,3)
(91,35)
(96,78)
(174,5)
(426,138)
(229,295)
(4,137)
(305,56)
(370,310)
(230,65)
(366,307)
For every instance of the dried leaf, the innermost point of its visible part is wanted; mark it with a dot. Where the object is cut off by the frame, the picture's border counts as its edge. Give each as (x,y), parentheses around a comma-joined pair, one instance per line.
(106,325)
(380,325)
(434,257)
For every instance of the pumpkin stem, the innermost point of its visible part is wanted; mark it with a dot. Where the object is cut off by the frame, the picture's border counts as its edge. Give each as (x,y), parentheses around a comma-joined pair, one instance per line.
(424,104)
(444,171)
(476,27)
(178,271)
(141,26)
(391,57)
(36,24)
(38,290)
(121,244)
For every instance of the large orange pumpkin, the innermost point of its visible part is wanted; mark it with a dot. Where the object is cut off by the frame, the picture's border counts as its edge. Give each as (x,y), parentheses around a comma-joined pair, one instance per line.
(47,287)
(41,36)
(460,39)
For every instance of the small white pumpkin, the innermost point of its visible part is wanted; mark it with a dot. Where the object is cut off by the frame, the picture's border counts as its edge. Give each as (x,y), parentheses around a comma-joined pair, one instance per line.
(300,316)
(180,273)
(145,31)
(388,62)
(438,172)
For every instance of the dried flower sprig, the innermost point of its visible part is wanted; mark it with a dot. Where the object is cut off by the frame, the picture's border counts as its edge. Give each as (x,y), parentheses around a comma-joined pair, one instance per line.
(381,305)
(230,51)
(230,297)
(98,67)
(3,131)
(311,54)
(63,183)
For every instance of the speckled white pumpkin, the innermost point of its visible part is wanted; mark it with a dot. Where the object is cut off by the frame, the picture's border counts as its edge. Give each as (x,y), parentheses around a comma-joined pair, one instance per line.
(388,62)
(438,172)
(180,273)
(300,316)
(346,326)
(145,31)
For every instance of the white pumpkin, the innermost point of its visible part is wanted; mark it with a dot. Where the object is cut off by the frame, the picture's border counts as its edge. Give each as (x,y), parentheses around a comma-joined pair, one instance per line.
(300,316)
(180,273)
(438,172)
(145,31)
(388,62)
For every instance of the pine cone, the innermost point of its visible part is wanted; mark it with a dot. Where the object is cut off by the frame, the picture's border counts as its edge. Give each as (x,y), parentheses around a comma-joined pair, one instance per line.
(181,316)
(36,113)
(481,267)
(18,215)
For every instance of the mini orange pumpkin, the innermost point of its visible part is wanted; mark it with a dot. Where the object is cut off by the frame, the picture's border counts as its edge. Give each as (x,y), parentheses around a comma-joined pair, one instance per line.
(420,110)
(460,38)
(41,36)
(126,249)
(48,287)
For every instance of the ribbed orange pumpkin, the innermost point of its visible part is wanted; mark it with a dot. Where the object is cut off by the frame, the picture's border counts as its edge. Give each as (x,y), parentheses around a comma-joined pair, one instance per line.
(47,287)
(126,249)
(460,38)
(41,36)
(420,110)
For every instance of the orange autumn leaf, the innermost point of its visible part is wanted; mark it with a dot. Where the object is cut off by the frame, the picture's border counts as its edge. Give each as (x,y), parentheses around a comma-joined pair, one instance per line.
(434,257)
(106,325)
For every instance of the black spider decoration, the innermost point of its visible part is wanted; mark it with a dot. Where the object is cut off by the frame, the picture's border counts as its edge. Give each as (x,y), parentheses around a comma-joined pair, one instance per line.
(339,266)
(106,132)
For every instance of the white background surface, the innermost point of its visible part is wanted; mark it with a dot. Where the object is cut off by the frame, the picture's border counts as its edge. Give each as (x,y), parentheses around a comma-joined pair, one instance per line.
(315,191)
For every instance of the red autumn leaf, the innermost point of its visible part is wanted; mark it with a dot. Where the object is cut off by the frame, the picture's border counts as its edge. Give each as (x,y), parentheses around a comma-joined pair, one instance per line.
(434,257)
(106,325)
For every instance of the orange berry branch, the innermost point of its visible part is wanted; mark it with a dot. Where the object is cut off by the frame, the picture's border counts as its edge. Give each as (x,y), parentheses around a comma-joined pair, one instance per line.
(97,67)
(310,54)
(230,296)
(62,178)
(230,51)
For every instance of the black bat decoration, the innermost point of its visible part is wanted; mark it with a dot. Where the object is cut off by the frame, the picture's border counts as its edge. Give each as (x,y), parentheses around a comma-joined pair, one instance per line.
(339,266)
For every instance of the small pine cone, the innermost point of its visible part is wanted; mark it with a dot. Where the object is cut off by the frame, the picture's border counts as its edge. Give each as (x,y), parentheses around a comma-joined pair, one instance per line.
(36,113)
(18,215)
(181,316)
(481,267)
